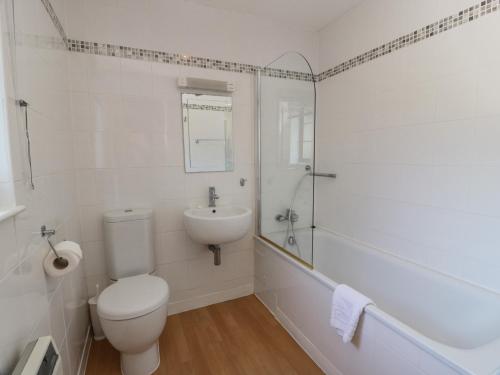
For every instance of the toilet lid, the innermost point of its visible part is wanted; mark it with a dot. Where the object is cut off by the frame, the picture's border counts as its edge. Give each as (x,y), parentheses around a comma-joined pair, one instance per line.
(132,297)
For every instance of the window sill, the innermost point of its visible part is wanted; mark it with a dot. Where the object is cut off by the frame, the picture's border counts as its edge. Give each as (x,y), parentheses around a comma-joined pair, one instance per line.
(5,214)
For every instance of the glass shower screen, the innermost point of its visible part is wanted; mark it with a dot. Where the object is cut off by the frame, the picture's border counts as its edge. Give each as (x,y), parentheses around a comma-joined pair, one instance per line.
(287,100)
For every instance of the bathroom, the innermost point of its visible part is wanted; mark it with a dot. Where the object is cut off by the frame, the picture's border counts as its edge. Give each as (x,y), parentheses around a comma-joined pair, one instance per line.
(196,186)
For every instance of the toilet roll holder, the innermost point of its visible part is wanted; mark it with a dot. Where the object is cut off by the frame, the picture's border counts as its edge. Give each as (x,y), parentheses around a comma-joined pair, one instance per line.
(60,262)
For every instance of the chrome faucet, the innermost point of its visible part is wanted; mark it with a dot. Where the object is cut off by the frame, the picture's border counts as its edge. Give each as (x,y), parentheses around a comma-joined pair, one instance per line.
(212,196)
(290,215)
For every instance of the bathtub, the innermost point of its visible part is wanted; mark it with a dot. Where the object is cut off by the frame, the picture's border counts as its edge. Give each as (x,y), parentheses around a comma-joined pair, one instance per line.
(423,322)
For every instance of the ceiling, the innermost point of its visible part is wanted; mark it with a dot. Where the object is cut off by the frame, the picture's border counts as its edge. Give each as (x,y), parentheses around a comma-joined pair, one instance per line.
(310,15)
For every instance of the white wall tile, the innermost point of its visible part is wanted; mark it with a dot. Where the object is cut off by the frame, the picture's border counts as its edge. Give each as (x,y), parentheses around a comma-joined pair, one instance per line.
(35,302)
(177,246)
(129,149)
(103,74)
(77,66)
(136,76)
(169,216)
(484,146)
(91,221)
(9,256)
(94,149)
(87,187)
(176,275)
(94,258)
(188,28)
(487,83)
(484,184)
(14,335)
(142,114)
(57,322)
(419,158)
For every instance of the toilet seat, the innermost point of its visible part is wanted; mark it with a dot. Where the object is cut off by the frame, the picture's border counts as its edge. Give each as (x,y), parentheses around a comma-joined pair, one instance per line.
(132,297)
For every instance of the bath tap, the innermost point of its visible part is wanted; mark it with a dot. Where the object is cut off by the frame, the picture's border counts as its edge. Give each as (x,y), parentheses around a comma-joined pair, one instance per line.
(290,215)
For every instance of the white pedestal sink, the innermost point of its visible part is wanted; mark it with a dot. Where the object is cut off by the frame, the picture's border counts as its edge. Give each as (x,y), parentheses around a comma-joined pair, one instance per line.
(217,225)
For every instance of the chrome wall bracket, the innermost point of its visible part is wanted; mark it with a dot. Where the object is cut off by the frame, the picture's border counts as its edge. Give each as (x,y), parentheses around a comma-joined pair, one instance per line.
(60,262)
(47,232)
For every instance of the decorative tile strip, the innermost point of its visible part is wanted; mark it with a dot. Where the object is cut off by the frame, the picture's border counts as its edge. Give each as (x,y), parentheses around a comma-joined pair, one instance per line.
(105,49)
(465,16)
(287,74)
(160,56)
(55,20)
(206,107)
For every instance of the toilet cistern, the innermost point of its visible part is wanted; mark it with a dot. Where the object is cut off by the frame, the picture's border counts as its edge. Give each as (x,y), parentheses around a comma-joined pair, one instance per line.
(212,196)
(133,309)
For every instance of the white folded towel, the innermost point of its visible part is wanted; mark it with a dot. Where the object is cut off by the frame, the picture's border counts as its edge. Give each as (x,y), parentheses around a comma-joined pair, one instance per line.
(347,307)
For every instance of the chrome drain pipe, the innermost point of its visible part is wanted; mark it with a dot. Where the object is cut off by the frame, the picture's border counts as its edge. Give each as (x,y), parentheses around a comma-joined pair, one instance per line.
(216,250)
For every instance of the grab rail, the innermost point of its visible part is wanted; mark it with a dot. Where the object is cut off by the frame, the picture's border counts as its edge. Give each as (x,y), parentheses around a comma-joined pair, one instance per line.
(329,175)
(317,174)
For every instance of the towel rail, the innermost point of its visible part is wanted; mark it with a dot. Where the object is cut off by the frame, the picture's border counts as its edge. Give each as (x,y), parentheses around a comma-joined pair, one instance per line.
(328,175)
(318,174)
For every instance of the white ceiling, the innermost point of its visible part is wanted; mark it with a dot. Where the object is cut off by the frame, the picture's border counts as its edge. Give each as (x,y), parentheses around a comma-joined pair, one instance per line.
(311,15)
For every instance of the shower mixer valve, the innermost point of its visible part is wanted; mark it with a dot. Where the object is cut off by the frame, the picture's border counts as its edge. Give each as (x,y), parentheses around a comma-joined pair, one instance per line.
(290,215)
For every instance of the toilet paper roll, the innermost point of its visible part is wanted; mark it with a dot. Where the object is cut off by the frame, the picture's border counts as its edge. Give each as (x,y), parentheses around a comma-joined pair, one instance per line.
(72,254)
(69,246)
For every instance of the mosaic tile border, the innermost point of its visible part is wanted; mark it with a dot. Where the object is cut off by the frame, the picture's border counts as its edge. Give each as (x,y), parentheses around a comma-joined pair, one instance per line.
(448,23)
(207,107)
(105,49)
(464,16)
(55,20)
(287,74)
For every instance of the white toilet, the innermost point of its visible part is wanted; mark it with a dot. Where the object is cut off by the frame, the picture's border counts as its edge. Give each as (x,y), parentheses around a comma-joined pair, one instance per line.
(133,310)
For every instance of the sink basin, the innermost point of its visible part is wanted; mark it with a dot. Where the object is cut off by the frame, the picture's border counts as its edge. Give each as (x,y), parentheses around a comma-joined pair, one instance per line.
(217,225)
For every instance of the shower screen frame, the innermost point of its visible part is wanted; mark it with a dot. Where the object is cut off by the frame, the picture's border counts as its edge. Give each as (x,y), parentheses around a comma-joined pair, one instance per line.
(258,169)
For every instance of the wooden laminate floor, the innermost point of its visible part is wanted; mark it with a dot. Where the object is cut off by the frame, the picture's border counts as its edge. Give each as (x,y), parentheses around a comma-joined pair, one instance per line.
(233,337)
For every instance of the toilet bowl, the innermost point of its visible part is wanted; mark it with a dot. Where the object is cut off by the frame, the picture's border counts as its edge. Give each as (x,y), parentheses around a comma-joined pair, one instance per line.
(133,313)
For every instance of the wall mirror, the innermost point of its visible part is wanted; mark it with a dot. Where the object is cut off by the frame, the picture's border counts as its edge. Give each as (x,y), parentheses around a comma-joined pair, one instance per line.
(207,127)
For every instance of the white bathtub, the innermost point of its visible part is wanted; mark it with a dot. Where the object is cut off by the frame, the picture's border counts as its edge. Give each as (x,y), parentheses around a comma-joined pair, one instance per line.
(424,322)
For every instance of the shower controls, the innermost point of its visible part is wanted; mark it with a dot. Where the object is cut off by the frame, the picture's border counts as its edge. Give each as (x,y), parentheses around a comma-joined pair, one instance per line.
(290,215)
